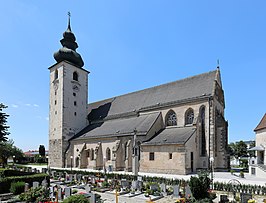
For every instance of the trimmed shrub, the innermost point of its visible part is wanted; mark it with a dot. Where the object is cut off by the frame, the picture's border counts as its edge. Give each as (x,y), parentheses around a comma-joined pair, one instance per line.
(38,194)
(17,187)
(76,199)
(11,172)
(5,183)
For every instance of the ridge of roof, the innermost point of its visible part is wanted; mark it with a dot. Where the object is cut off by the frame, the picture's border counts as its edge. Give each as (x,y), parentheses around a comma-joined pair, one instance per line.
(262,124)
(159,86)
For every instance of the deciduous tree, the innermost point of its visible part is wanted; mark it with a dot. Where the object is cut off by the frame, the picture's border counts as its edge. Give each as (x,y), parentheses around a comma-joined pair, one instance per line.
(3,127)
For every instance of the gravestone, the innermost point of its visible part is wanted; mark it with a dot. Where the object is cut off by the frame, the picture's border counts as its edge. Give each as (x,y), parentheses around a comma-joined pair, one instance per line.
(124,183)
(34,170)
(176,190)
(245,197)
(51,192)
(29,169)
(224,199)
(139,178)
(60,174)
(66,177)
(79,177)
(59,194)
(44,183)
(163,189)
(88,188)
(75,177)
(53,173)
(44,170)
(27,187)
(188,191)
(35,184)
(92,198)
(70,177)
(67,192)
(134,184)
(140,185)
(93,180)
(154,187)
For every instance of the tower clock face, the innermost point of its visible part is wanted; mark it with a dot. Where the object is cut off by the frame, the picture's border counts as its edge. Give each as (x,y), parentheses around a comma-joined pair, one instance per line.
(75,88)
(55,86)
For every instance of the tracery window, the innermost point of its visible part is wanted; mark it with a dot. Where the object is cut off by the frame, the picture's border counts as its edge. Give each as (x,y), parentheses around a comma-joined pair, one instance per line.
(189,116)
(170,118)
(203,138)
(75,76)
(108,154)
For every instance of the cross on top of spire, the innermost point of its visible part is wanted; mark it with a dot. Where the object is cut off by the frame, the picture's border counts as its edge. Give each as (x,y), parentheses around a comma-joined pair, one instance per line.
(69,15)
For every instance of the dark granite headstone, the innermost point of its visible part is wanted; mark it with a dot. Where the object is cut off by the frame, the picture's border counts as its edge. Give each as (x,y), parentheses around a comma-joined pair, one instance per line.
(245,197)
(224,199)
(59,194)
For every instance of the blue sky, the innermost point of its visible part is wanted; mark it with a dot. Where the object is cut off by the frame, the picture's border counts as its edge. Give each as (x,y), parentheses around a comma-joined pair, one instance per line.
(129,45)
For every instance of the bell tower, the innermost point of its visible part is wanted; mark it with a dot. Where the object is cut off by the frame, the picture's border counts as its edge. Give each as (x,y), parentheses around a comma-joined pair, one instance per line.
(68,98)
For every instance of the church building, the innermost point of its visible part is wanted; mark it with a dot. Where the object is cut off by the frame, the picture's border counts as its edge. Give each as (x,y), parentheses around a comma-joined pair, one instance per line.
(174,128)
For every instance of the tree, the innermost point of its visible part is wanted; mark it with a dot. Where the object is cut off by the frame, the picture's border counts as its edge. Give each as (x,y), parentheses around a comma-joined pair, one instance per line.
(3,127)
(238,149)
(7,149)
(200,185)
(42,150)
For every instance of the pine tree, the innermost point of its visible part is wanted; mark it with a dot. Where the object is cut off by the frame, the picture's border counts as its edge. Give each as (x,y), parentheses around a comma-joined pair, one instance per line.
(3,127)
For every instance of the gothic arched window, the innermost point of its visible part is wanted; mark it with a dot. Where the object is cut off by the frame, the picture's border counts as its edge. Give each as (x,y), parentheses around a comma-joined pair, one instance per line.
(75,76)
(170,118)
(125,151)
(108,154)
(92,154)
(203,138)
(189,116)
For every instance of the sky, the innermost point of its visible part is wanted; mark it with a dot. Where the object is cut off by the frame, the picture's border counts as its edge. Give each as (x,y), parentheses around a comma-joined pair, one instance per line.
(129,45)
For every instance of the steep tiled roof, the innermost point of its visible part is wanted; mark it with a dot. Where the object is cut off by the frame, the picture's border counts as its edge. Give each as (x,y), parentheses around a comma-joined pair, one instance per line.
(262,124)
(172,135)
(120,127)
(181,90)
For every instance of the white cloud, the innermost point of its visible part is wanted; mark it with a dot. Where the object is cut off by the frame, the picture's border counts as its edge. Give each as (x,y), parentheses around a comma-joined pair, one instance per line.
(36,105)
(47,118)
(14,105)
(28,104)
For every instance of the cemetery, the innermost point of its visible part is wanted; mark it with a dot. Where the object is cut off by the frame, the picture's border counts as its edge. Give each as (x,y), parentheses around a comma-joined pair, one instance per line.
(28,184)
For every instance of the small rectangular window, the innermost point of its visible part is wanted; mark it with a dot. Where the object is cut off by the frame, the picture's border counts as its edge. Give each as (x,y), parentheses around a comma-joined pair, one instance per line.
(170,156)
(74,94)
(55,102)
(151,157)
(253,171)
(75,113)
(75,103)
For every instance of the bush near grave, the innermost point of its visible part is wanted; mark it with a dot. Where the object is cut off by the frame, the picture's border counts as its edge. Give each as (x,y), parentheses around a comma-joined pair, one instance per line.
(5,183)
(76,199)
(17,187)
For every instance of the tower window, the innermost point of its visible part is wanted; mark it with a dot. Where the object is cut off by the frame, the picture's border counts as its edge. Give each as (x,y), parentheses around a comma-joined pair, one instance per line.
(55,102)
(189,116)
(75,103)
(151,156)
(75,76)
(75,113)
(56,74)
(170,118)
(74,94)
(170,156)
(108,154)
(55,112)
(55,93)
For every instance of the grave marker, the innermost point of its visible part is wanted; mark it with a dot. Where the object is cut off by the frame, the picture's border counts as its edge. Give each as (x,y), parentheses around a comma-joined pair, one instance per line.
(35,184)
(176,190)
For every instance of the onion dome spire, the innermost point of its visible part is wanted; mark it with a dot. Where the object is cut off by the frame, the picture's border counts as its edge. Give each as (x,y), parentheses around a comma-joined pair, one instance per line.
(68,51)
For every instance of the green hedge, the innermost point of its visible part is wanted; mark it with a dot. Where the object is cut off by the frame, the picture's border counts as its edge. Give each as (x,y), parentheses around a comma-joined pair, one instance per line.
(5,183)
(17,187)
(11,172)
